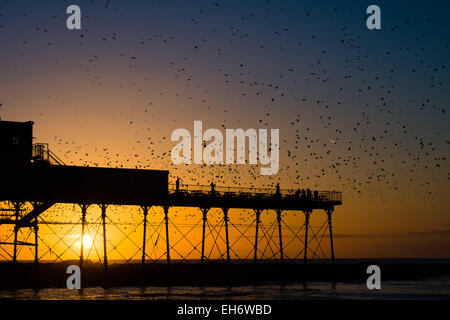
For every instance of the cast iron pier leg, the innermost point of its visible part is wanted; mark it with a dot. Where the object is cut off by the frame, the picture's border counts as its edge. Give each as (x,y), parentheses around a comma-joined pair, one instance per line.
(205,219)
(307,213)
(225,219)
(166,218)
(105,257)
(329,212)
(144,240)
(36,250)
(83,222)
(35,229)
(258,214)
(17,207)
(279,234)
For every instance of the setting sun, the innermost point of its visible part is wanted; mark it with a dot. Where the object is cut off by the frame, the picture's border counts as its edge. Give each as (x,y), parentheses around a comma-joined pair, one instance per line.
(87,241)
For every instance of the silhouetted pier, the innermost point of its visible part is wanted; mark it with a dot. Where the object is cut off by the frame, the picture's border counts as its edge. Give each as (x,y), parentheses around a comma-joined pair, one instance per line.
(38,177)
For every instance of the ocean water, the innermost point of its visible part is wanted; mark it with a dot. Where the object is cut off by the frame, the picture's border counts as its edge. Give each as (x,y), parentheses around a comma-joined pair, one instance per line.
(437,288)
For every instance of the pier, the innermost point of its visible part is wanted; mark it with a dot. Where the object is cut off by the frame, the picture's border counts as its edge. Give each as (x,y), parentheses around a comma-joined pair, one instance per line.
(37,178)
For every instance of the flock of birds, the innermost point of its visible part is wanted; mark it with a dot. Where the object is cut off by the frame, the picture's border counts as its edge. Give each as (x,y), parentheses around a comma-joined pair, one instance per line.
(358,132)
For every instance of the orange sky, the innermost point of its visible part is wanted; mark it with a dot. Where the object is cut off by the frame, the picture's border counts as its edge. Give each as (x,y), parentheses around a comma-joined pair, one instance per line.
(360,112)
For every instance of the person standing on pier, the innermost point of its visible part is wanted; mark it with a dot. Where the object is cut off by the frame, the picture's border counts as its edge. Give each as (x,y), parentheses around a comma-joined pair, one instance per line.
(213,188)
(278,192)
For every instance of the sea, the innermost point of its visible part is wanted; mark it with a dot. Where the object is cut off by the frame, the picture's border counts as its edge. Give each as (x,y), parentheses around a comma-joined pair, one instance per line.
(427,288)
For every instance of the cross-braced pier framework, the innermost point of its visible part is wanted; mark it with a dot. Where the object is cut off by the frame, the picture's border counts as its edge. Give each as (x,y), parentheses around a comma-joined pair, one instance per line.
(268,241)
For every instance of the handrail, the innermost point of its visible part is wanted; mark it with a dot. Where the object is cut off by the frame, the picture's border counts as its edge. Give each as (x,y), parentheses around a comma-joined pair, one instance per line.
(286,194)
(55,158)
(41,152)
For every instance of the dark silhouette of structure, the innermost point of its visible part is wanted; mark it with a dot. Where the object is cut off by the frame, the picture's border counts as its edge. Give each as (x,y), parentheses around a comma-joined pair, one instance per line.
(16,141)
(37,176)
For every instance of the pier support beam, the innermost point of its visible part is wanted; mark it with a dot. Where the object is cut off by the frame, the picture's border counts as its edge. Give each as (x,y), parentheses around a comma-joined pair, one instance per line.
(329,212)
(279,235)
(258,219)
(17,208)
(36,248)
(35,229)
(83,222)
(227,242)
(145,210)
(166,218)
(307,214)
(205,219)
(105,257)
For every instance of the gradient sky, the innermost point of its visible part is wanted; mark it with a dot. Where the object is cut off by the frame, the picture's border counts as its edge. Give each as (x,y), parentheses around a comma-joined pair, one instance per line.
(364,112)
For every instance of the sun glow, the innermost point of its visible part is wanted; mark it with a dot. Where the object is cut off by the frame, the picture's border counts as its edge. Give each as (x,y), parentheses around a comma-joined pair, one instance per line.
(87,241)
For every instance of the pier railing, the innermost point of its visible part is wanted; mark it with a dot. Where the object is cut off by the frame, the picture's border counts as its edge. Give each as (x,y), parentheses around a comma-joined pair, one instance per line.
(256,193)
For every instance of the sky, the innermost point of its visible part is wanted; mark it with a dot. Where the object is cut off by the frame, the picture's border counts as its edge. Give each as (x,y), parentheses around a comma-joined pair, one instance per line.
(360,111)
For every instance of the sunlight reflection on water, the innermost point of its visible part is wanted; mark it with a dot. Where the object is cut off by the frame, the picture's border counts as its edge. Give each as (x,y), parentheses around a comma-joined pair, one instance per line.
(430,288)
